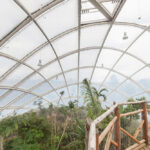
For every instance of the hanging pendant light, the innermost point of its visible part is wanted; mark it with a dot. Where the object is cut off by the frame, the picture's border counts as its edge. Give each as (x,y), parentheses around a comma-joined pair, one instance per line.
(40,63)
(125,36)
(62,93)
(115,1)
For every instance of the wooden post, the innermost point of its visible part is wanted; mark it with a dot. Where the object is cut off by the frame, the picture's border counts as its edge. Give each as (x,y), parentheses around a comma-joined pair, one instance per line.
(117,128)
(145,125)
(1,143)
(88,123)
(97,141)
(87,136)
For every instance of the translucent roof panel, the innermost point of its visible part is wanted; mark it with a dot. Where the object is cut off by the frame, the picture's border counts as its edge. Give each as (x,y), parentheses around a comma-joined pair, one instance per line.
(10,19)
(70,46)
(50,46)
(141,47)
(60,18)
(5,65)
(139,12)
(110,6)
(87,58)
(24,42)
(118,40)
(108,54)
(31,6)
(94,34)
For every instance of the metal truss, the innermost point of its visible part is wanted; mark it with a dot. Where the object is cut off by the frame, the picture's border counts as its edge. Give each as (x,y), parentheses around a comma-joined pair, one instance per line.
(100,7)
(31,18)
(28,20)
(86,67)
(55,38)
(30,101)
(23,63)
(89,48)
(125,53)
(84,49)
(22,90)
(79,36)
(46,37)
(108,31)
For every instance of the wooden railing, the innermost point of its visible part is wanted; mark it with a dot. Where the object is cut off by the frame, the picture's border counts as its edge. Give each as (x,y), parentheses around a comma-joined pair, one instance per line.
(112,133)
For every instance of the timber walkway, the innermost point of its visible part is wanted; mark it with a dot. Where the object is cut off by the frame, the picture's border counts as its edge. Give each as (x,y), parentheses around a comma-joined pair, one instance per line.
(111,137)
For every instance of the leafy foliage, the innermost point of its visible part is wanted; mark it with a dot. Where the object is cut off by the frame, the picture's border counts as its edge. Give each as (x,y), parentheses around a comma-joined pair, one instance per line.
(92,100)
(61,128)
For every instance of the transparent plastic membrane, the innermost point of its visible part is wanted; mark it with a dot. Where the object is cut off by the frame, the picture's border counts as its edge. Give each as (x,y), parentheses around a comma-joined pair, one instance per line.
(46,56)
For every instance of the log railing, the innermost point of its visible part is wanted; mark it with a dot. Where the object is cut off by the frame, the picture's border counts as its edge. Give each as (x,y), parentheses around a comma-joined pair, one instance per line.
(112,133)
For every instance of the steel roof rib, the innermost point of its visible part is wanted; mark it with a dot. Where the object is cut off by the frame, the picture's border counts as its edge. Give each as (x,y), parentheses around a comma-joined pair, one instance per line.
(88,48)
(53,39)
(44,34)
(86,67)
(122,2)
(79,36)
(12,58)
(147,65)
(25,91)
(127,50)
(27,105)
(119,92)
(28,20)
(23,107)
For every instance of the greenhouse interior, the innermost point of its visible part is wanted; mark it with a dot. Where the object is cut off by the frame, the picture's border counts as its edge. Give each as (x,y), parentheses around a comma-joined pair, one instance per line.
(74,74)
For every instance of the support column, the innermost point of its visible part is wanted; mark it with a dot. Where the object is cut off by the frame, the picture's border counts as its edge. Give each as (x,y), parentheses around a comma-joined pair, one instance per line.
(117,128)
(97,141)
(145,125)
(87,130)
(1,143)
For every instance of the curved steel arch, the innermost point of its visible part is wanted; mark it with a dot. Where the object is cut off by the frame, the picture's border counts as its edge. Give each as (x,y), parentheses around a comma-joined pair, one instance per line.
(35,71)
(8,104)
(52,40)
(126,51)
(22,90)
(38,13)
(86,67)
(46,37)
(22,107)
(120,93)
(79,42)
(105,68)
(84,49)
(27,20)
(148,65)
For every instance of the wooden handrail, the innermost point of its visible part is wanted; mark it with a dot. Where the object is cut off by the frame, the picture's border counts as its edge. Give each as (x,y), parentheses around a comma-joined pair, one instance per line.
(92,137)
(106,130)
(139,129)
(103,116)
(108,112)
(92,133)
(138,102)
(145,126)
(114,143)
(128,134)
(131,113)
(135,145)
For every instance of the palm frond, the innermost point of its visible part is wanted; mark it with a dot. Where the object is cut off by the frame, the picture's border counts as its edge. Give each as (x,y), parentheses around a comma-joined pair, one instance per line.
(87,91)
(102,90)
(104,97)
